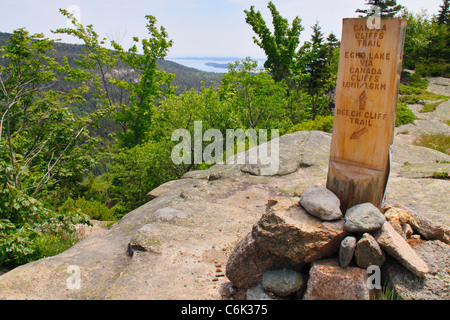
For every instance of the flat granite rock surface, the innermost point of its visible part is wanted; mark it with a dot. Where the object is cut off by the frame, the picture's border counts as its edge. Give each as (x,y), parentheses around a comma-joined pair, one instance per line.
(176,245)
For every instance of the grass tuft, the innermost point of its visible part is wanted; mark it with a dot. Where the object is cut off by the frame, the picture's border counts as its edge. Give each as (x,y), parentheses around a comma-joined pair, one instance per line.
(439,142)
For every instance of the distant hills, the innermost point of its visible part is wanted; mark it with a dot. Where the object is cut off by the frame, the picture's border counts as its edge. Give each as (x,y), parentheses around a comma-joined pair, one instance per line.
(185,77)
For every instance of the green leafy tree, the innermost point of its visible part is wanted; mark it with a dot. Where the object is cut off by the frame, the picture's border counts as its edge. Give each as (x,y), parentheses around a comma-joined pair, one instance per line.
(129,81)
(388,8)
(333,44)
(418,37)
(427,48)
(44,149)
(138,170)
(29,231)
(256,96)
(316,56)
(317,65)
(130,87)
(142,168)
(281,45)
(41,139)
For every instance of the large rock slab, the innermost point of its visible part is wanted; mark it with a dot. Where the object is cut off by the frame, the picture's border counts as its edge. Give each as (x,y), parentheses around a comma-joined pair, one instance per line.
(439,85)
(434,285)
(213,210)
(397,247)
(287,230)
(329,281)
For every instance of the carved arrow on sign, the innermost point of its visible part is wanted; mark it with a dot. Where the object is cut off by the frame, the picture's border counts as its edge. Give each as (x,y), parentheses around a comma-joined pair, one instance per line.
(358,133)
(362,100)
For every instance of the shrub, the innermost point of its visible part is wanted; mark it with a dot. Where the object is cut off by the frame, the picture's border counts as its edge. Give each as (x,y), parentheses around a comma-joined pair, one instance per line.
(321,123)
(138,170)
(433,69)
(414,80)
(92,208)
(411,95)
(430,107)
(404,115)
(25,225)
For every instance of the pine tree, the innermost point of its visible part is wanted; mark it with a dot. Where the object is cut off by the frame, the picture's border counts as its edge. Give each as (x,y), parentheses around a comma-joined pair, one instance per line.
(317,66)
(388,8)
(444,13)
(333,43)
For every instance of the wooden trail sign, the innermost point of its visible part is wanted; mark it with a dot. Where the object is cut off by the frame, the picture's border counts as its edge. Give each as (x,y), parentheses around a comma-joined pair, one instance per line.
(370,64)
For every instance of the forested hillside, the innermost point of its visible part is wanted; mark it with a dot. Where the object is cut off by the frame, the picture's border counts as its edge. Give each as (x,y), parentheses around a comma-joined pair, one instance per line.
(87,130)
(186,78)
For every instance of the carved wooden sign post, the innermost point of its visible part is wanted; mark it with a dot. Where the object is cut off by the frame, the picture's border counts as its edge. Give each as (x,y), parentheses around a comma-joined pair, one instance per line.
(370,64)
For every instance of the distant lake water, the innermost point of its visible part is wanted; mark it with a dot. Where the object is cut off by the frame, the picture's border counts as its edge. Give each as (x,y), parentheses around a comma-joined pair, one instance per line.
(218,65)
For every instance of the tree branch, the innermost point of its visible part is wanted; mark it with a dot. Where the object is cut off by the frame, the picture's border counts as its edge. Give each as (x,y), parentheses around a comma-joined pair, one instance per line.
(39,186)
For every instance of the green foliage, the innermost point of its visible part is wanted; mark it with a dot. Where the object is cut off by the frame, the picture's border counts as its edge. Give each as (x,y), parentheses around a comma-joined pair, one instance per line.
(387,292)
(94,209)
(137,171)
(312,68)
(129,82)
(444,13)
(404,115)
(430,107)
(44,147)
(318,60)
(388,8)
(279,46)
(254,94)
(25,224)
(320,123)
(440,175)
(439,142)
(427,47)
(433,69)
(413,80)
(410,95)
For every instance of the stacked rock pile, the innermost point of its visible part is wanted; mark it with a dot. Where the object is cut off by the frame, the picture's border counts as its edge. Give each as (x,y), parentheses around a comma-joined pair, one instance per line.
(306,248)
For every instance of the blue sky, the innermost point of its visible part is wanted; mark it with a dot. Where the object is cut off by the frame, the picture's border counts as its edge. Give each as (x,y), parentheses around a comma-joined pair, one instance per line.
(214,28)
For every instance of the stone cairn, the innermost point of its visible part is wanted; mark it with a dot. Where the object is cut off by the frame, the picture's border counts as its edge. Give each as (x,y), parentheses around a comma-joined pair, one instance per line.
(306,248)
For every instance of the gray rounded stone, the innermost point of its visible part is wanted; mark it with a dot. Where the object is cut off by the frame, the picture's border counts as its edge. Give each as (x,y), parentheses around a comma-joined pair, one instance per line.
(346,251)
(282,282)
(257,293)
(362,218)
(321,203)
